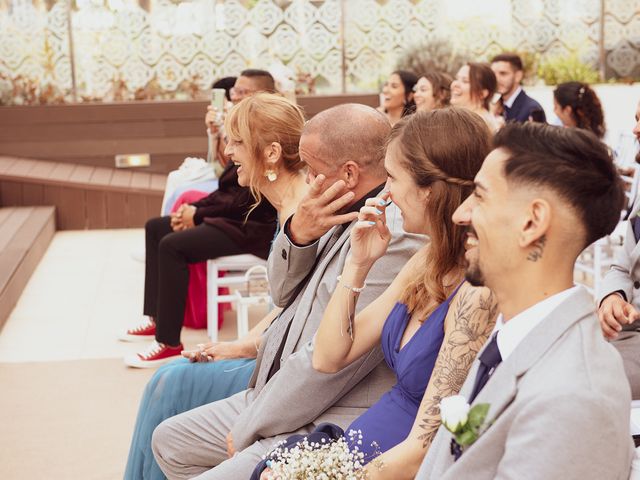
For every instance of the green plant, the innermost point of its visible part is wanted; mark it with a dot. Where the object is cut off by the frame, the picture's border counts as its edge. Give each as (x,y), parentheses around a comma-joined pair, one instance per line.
(439,54)
(560,69)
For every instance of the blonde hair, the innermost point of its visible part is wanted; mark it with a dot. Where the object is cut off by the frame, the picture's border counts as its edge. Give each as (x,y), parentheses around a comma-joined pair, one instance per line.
(260,120)
(442,149)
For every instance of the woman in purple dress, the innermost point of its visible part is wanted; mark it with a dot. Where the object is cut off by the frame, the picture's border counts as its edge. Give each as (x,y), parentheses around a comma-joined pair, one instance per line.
(430,322)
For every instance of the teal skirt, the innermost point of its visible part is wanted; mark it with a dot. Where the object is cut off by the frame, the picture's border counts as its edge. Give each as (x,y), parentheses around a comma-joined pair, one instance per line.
(175,388)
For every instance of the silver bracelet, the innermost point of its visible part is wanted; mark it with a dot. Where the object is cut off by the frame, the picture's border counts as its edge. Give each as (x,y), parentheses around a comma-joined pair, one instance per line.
(349,287)
(255,344)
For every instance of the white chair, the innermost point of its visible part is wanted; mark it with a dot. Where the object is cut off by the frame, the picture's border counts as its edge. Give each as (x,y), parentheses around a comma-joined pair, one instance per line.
(250,267)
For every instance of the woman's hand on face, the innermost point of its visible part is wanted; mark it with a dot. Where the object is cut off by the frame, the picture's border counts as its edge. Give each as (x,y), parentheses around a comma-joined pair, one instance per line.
(370,235)
(211,352)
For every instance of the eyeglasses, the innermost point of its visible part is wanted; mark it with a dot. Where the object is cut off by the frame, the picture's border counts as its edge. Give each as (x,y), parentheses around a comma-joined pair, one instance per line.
(240,92)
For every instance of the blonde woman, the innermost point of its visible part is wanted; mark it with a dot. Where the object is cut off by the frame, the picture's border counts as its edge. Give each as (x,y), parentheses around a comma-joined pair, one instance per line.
(263,132)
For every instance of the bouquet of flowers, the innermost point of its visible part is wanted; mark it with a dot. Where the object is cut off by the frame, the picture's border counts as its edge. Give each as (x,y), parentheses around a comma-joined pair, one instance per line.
(318,461)
(318,456)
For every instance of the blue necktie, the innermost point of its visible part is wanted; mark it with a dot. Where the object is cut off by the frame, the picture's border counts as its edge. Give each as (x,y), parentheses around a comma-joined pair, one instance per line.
(489,359)
(636,227)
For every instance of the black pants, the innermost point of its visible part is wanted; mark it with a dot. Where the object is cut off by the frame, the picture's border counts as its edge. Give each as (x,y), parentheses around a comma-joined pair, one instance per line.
(166,283)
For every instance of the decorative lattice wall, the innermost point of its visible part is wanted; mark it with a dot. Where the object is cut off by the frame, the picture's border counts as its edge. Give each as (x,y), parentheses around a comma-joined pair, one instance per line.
(167,42)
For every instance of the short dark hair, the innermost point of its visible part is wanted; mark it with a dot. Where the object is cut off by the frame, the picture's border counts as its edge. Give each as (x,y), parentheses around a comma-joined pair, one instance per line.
(264,78)
(512,58)
(571,162)
(481,77)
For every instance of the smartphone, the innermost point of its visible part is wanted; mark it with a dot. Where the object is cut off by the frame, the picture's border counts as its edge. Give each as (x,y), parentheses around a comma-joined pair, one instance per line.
(218,97)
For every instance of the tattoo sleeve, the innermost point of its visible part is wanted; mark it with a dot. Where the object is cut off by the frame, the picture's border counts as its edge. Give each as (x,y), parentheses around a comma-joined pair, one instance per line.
(474,317)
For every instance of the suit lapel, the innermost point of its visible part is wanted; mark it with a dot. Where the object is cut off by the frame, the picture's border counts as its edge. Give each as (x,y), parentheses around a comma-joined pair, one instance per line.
(635,252)
(310,291)
(516,106)
(501,388)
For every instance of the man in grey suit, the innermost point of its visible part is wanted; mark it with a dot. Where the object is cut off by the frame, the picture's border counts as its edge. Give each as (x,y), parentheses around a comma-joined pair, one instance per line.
(344,148)
(558,398)
(619,295)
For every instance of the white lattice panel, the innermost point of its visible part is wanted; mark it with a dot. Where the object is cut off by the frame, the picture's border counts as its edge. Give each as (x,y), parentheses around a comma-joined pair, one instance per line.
(176,40)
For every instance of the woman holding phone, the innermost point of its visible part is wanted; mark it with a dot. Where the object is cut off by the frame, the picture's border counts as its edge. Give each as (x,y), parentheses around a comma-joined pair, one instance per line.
(430,322)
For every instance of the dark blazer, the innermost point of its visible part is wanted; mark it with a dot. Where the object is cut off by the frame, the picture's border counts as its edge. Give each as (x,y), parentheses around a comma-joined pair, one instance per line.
(226,209)
(522,108)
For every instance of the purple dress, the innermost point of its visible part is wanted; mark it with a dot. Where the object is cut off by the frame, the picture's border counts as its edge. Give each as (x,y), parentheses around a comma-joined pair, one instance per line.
(389,420)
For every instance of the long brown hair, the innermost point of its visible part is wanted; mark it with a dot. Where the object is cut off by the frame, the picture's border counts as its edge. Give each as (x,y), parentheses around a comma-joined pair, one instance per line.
(586,108)
(481,78)
(442,149)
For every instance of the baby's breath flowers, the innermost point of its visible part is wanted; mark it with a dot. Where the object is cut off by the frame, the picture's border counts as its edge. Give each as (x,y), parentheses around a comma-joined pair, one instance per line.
(324,460)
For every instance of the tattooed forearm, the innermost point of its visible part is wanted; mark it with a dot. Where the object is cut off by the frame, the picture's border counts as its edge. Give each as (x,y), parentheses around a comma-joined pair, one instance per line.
(538,249)
(472,324)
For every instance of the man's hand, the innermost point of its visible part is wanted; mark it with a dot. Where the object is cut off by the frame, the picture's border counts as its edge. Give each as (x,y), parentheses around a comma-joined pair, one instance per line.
(231,451)
(318,211)
(615,312)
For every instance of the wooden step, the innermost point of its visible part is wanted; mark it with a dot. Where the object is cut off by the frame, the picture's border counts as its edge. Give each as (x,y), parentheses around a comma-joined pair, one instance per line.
(25,234)
(85,196)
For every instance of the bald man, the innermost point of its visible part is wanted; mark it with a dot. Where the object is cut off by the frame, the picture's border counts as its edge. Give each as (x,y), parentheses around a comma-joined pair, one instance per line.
(344,151)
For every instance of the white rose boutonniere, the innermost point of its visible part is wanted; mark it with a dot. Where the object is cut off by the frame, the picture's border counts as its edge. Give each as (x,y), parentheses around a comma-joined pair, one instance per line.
(463,421)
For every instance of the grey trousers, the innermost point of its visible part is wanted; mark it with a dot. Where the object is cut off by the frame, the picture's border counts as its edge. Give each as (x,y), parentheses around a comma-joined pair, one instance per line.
(193,445)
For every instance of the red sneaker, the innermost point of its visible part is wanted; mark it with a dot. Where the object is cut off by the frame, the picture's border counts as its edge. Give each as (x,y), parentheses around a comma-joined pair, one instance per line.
(157,354)
(142,332)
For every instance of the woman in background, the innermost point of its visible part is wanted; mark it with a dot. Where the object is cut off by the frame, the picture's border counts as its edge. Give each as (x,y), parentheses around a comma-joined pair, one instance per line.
(397,95)
(473,88)
(577,105)
(432,91)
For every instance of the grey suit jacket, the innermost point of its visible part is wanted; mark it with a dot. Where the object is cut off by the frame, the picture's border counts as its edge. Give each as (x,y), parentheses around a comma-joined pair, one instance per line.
(624,274)
(297,395)
(559,408)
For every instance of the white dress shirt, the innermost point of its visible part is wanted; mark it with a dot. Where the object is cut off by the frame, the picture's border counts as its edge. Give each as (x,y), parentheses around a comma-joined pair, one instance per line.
(511,333)
(509,102)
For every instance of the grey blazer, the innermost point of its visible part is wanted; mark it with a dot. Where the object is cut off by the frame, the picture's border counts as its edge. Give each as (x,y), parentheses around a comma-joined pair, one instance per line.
(624,274)
(559,408)
(297,395)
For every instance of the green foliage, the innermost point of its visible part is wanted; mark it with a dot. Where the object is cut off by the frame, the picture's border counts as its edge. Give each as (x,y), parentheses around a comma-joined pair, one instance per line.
(569,68)
(469,432)
(477,415)
(530,61)
(439,54)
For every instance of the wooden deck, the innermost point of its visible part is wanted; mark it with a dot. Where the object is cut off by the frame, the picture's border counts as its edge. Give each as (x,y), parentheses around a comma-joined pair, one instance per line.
(85,196)
(93,134)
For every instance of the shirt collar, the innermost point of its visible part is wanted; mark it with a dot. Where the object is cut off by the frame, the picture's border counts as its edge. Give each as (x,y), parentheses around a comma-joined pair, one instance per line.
(509,103)
(511,333)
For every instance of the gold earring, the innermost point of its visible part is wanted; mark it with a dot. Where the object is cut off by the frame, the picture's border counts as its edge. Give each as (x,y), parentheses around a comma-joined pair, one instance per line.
(271,175)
